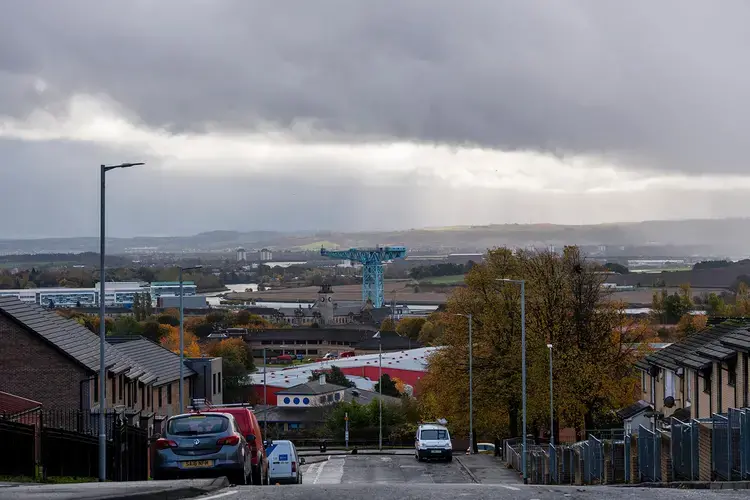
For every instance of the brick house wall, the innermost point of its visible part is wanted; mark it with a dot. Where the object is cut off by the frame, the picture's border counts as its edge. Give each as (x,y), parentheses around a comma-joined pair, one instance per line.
(34,369)
(704,400)
(163,407)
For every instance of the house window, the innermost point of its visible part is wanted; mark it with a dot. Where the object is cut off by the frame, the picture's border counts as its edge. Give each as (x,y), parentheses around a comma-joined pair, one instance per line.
(96,389)
(688,385)
(159,397)
(707,382)
(169,394)
(213,387)
(135,393)
(732,369)
(151,397)
(668,384)
(122,387)
(130,394)
(644,386)
(219,377)
(114,392)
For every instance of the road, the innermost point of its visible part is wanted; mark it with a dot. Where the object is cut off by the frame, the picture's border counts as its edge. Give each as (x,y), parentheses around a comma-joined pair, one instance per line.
(369,477)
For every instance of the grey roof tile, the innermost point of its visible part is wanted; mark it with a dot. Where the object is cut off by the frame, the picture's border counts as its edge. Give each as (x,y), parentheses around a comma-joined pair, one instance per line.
(161,363)
(73,339)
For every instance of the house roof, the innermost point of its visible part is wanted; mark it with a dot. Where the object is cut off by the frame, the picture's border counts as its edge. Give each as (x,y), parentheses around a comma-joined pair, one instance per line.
(73,339)
(294,334)
(364,397)
(697,350)
(390,341)
(161,363)
(738,340)
(10,404)
(312,387)
(633,410)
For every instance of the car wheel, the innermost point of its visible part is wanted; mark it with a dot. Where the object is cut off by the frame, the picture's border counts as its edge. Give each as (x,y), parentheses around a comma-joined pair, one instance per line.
(449,459)
(239,479)
(257,477)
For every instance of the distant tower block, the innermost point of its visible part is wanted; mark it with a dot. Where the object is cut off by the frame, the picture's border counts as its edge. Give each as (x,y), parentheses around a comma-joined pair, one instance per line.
(372,267)
(266,255)
(241,255)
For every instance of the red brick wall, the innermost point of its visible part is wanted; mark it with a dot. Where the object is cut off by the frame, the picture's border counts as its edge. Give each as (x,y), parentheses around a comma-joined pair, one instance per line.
(31,368)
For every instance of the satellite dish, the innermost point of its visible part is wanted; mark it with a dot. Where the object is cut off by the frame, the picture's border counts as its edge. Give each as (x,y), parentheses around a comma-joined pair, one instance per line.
(669,402)
(653,371)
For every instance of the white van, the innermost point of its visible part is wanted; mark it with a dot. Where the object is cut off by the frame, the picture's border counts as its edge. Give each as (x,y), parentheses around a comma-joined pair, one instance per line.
(284,463)
(433,441)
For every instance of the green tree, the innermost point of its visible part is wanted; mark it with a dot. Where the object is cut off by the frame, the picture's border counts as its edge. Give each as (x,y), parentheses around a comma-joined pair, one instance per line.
(616,268)
(410,327)
(333,376)
(237,363)
(388,386)
(126,325)
(388,325)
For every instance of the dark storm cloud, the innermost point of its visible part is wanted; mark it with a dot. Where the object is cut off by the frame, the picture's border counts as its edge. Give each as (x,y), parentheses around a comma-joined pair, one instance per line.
(655,84)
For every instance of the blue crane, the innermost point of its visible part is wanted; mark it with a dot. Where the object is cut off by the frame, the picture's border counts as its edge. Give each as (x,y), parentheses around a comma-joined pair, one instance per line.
(372,267)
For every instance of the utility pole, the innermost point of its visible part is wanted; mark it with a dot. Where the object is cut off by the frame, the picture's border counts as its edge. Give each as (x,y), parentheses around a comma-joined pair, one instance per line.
(182,334)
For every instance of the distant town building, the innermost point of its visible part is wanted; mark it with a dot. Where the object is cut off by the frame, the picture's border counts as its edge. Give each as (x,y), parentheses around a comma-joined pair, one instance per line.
(241,255)
(266,255)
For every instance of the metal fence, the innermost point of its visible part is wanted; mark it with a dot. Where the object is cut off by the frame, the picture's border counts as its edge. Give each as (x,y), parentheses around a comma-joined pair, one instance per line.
(684,449)
(649,455)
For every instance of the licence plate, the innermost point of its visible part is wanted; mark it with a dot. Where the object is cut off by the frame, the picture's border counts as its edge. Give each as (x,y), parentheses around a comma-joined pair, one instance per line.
(190,464)
(437,451)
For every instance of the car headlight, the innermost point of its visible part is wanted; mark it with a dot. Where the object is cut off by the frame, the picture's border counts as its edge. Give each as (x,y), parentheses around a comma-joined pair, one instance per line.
(448,446)
(422,446)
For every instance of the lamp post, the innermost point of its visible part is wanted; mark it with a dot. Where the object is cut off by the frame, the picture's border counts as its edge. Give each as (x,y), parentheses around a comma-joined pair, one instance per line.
(265,396)
(523,367)
(551,401)
(182,334)
(471,385)
(102,325)
(380,390)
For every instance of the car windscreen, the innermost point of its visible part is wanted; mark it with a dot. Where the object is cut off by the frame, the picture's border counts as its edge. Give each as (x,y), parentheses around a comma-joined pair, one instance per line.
(434,434)
(190,425)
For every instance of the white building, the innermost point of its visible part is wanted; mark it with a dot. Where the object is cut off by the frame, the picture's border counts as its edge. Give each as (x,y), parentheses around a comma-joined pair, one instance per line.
(241,255)
(266,255)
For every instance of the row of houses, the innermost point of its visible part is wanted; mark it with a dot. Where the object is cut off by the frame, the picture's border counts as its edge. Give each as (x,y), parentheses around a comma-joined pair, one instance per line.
(702,374)
(54,362)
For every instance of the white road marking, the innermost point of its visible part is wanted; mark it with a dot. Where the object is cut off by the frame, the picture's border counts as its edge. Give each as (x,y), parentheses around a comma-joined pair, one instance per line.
(508,487)
(221,495)
(331,472)
(386,459)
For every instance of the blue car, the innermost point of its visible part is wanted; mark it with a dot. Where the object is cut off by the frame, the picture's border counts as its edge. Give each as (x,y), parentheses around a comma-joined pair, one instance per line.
(203,445)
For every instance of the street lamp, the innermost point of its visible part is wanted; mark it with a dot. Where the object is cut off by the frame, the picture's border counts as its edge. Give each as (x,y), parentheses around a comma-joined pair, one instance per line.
(380,389)
(471,385)
(551,401)
(182,333)
(523,366)
(102,325)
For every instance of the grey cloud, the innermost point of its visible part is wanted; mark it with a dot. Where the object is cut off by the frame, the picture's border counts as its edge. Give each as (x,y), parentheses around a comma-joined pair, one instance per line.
(51,189)
(659,85)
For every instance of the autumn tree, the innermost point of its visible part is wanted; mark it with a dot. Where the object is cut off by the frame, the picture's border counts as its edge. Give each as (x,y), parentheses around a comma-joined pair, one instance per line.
(388,325)
(691,323)
(410,327)
(171,341)
(237,363)
(594,345)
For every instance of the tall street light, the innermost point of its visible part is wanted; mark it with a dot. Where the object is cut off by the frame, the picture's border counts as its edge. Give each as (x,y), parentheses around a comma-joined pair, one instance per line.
(523,367)
(551,401)
(102,325)
(471,385)
(380,389)
(182,333)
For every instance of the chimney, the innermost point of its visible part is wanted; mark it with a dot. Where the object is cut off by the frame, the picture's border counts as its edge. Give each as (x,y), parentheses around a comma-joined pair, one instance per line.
(322,379)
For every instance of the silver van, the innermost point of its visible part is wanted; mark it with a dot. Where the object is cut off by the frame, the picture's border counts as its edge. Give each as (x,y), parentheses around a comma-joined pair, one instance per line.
(284,463)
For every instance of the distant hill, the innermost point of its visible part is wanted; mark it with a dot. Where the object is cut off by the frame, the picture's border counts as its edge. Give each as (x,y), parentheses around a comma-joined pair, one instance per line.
(720,237)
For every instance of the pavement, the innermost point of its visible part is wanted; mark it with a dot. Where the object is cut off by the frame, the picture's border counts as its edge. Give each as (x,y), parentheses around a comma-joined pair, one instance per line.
(431,491)
(135,490)
(487,469)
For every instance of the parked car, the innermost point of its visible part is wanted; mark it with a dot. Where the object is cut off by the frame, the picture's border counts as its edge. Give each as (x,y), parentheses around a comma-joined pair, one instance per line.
(250,428)
(433,441)
(285,463)
(203,444)
(487,448)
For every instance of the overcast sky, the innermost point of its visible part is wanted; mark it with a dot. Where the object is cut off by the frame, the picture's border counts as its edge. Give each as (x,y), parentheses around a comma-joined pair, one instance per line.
(353,114)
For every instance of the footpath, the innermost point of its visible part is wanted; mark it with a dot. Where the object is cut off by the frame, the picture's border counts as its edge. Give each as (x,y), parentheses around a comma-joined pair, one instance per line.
(487,469)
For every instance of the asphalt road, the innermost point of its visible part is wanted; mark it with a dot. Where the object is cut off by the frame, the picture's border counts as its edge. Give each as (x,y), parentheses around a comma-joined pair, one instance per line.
(377,469)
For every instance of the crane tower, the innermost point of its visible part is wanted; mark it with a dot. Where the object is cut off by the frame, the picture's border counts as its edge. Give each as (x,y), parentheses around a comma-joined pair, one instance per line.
(372,267)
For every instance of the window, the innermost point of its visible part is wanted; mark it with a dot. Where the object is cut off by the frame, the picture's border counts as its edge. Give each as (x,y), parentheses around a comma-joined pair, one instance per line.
(96,389)
(732,369)
(151,397)
(169,394)
(114,392)
(707,382)
(130,394)
(306,401)
(668,384)
(434,434)
(688,385)
(219,377)
(286,400)
(198,424)
(159,397)
(135,393)
(214,384)
(644,384)
(296,401)
(122,387)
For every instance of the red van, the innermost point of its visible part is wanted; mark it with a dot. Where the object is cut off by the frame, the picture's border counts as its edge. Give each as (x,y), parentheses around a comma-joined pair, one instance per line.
(250,428)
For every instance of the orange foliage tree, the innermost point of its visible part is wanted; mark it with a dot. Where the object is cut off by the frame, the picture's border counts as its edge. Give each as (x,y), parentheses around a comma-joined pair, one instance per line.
(594,348)
(171,341)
